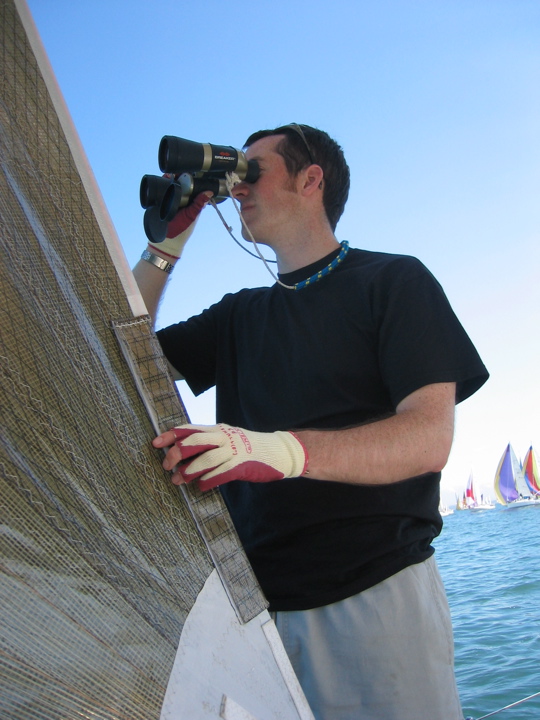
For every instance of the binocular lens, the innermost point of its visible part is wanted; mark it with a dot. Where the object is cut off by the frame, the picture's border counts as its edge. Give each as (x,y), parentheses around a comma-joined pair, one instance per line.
(173,200)
(152,190)
(178,155)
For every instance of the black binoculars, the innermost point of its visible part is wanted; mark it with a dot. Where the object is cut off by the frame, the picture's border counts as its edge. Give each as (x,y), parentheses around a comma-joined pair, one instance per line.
(191,168)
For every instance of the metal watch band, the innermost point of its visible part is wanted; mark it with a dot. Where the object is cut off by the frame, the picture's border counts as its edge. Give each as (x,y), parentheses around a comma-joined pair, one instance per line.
(157,261)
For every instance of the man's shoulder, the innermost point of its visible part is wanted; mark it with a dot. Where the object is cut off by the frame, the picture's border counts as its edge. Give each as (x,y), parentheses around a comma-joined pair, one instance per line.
(382,264)
(246,294)
(239,298)
(376,257)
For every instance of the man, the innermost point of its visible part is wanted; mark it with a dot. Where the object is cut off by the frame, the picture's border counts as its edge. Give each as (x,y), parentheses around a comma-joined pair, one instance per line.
(335,399)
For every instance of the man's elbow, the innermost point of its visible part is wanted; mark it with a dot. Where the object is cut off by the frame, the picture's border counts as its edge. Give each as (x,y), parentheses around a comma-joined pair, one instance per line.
(440,452)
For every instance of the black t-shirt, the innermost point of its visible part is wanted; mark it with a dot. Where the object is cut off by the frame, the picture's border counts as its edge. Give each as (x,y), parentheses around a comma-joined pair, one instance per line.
(341,352)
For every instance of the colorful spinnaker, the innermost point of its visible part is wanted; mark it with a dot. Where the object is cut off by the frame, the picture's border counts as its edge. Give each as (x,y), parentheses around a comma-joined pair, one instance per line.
(530,470)
(510,484)
(472,503)
(469,493)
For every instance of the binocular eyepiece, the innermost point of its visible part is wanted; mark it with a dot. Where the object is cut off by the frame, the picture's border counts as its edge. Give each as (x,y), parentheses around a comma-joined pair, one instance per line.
(191,168)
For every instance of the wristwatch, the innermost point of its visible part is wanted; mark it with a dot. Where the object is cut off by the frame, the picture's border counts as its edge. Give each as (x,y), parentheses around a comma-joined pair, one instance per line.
(157,261)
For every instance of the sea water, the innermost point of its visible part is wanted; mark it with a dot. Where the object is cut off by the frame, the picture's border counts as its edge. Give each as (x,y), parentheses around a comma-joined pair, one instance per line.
(490,564)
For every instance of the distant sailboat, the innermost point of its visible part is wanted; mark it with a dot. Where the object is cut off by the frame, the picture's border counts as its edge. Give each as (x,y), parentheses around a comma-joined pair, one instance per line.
(530,470)
(469,493)
(472,502)
(444,510)
(510,484)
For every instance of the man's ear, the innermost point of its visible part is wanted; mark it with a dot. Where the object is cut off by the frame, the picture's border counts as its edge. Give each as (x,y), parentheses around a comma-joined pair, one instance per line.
(313,178)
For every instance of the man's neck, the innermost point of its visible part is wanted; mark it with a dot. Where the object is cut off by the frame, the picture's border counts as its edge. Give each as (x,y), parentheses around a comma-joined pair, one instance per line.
(297,253)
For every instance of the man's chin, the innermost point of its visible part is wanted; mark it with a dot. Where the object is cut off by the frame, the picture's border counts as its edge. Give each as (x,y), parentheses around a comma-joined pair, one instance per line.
(253,236)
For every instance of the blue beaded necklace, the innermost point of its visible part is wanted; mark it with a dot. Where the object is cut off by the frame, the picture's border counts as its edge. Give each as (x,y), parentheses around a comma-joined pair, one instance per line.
(299,285)
(325,270)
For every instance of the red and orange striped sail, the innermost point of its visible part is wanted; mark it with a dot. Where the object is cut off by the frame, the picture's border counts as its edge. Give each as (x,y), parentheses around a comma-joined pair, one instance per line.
(530,470)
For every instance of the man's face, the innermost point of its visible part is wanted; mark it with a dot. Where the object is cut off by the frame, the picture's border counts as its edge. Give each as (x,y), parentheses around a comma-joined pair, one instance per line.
(271,202)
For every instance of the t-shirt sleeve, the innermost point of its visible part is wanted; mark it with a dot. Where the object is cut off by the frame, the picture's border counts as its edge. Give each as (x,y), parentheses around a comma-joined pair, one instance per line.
(421,341)
(190,347)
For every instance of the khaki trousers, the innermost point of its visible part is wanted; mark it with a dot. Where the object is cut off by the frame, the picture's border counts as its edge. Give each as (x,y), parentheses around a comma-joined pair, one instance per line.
(384,654)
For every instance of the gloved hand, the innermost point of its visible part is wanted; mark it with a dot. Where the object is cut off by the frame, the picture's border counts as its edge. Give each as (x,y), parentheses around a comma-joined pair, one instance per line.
(180,228)
(223,453)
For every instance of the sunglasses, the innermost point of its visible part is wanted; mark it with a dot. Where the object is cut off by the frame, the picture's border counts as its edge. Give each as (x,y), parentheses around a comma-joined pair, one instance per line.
(298,130)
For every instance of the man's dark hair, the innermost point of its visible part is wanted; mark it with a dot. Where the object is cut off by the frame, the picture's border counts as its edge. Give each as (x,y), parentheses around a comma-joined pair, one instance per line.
(304,145)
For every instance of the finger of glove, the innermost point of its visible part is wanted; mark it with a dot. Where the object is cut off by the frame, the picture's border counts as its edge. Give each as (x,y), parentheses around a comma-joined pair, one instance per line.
(189,429)
(191,441)
(251,470)
(186,217)
(205,462)
(188,473)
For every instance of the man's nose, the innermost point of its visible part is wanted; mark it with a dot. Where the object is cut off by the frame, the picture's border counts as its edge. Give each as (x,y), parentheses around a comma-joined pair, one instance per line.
(240,190)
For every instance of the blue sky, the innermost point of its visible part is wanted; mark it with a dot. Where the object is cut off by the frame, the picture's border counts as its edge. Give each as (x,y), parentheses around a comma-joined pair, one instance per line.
(436,104)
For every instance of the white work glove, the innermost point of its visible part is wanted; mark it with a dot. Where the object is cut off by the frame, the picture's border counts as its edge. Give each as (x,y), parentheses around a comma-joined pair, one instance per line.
(224,453)
(180,228)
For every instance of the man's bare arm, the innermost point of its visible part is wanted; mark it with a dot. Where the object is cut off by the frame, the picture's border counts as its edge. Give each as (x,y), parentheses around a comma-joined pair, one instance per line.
(414,441)
(151,281)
